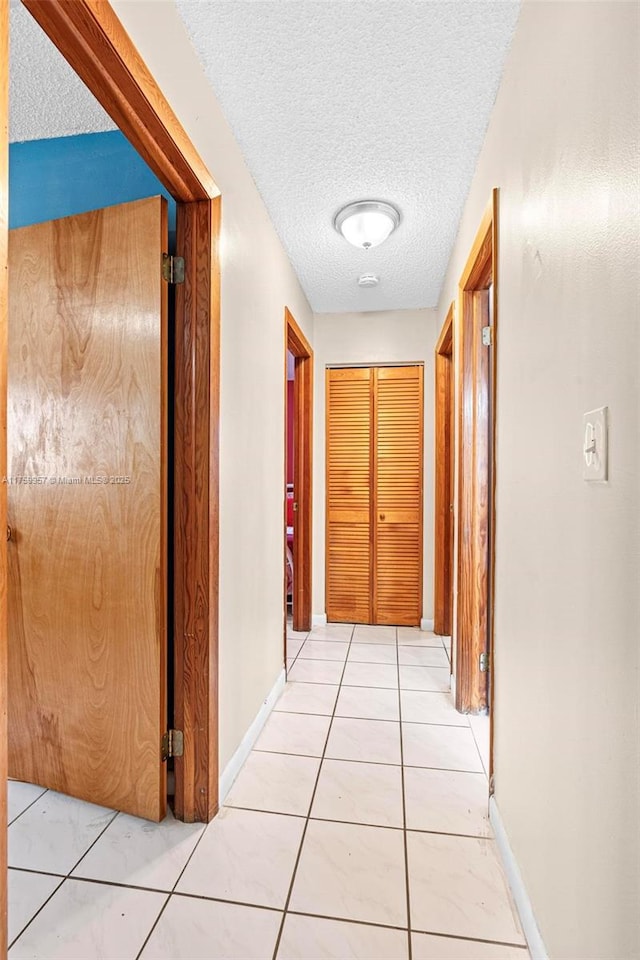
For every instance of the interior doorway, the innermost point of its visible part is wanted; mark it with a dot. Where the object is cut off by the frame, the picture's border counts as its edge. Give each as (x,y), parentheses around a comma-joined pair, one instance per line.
(298,373)
(477,311)
(444,476)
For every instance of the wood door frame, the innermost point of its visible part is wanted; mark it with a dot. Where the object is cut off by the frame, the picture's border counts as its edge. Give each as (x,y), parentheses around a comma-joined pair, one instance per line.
(297,344)
(4,312)
(94,42)
(476,466)
(444,477)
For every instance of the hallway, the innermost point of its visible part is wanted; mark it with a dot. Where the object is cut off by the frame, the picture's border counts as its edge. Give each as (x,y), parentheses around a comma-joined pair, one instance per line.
(366,793)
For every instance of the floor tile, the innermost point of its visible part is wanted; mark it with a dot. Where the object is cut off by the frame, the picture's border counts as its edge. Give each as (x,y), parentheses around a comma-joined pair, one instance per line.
(424,706)
(425,678)
(371,675)
(447,801)
(481,729)
(290,663)
(427,947)
(368,703)
(422,657)
(315,698)
(364,633)
(276,782)
(352,872)
(376,741)
(20,796)
(419,638)
(332,631)
(324,650)
(140,853)
(297,634)
(457,886)
(293,648)
(192,929)
(245,856)
(26,894)
(373,653)
(448,748)
(446,643)
(90,920)
(300,733)
(310,938)
(359,793)
(316,671)
(55,832)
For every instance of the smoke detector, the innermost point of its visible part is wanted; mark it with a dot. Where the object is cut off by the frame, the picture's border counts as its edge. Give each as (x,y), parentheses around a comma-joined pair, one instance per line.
(368,280)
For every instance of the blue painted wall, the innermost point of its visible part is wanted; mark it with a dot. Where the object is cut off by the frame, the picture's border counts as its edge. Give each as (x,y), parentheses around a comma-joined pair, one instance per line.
(56,178)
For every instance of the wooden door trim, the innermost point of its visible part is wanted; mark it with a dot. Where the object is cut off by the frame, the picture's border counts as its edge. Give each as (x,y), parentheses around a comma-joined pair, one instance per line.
(298,345)
(94,42)
(4,299)
(444,473)
(476,483)
(92,39)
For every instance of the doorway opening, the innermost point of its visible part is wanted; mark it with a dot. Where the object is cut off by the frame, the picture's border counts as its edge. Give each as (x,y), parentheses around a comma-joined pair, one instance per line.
(98,49)
(444,476)
(298,475)
(477,311)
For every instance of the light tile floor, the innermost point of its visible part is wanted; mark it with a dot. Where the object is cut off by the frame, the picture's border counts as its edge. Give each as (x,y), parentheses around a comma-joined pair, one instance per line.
(357,829)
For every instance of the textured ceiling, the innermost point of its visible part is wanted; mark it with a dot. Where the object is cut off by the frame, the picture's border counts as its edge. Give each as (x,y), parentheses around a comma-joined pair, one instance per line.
(47,99)
(331,101)
(340,100)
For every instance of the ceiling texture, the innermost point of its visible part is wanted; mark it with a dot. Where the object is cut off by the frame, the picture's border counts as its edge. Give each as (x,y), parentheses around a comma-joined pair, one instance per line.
(331,101)
(46,98)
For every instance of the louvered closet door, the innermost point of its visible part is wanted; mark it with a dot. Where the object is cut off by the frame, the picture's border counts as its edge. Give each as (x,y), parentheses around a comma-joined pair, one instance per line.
(349,483)
(397,507)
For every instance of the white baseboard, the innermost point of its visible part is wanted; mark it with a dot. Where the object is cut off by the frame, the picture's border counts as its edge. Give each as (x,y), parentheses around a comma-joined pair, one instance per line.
(426,624)
(523,903)
(236,763)
(318,619)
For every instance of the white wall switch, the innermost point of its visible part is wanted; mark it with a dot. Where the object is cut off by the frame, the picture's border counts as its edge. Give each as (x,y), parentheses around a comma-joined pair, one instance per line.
(594,445)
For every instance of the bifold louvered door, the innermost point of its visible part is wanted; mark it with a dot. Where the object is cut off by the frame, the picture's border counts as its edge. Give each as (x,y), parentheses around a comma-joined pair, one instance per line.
(349,436)
(374,494)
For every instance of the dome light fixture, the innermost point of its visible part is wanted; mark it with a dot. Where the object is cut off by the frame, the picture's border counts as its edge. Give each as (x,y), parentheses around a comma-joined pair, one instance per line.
(367,223)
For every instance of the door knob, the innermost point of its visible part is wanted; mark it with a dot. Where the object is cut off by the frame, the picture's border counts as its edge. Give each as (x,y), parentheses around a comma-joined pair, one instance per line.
(382,516)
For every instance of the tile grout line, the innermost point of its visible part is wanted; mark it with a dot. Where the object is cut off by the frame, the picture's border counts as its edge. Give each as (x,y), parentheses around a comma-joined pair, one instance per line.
(404,813)
(311,802)
(342,716)
(172,892)
(29,805)
(66,876)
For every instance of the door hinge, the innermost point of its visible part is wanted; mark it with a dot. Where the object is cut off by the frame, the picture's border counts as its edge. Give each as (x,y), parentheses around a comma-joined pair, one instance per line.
(172,268)
(484,662)
(487,338)
(172,744)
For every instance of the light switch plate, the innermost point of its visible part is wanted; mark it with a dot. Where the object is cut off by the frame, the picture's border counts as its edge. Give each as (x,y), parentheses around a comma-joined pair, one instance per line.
(595,445)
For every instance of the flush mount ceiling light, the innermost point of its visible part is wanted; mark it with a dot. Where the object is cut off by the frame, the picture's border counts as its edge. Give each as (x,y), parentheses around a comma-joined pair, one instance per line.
(367,223)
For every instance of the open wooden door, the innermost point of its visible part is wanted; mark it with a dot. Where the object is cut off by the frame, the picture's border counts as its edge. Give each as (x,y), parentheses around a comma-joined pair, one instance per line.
(87,407)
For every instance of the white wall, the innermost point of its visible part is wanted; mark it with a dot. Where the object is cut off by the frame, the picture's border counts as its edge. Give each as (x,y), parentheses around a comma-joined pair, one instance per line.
(385,337)
(257,283)
(562,146)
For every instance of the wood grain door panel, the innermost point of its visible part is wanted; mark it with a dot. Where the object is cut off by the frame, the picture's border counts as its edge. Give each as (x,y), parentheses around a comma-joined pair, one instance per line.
(87,506)
(374,494)
(398,461)
(349,434)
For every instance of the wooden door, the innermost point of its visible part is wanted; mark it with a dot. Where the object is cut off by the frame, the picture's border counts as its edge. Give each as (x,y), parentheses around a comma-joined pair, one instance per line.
(87,506)
(374,495)
(349,484)
(397,508)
